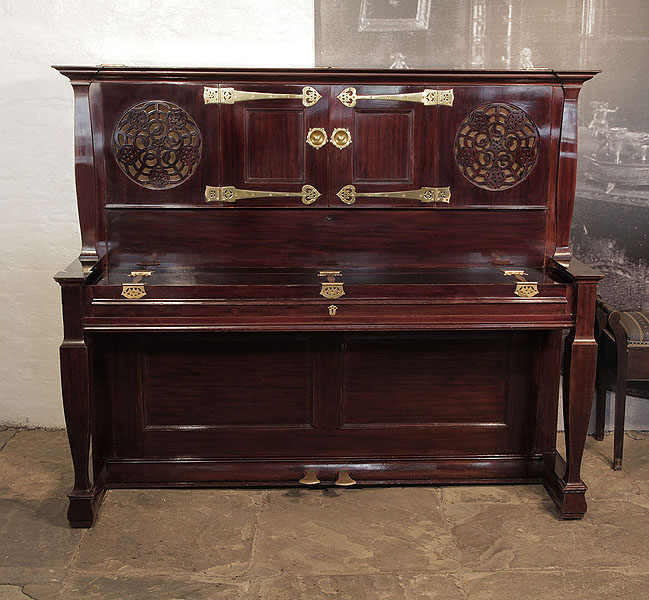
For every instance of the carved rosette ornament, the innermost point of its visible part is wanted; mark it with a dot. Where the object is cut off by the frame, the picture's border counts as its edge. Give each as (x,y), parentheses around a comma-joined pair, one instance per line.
(157,144)
(497,146)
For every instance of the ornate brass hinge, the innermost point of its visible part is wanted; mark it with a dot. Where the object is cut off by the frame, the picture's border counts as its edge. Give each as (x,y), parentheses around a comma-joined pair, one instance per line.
(348,194)
(134,289)
(229,193)
(427,97)
(524,288)
(331,288)
(228,95)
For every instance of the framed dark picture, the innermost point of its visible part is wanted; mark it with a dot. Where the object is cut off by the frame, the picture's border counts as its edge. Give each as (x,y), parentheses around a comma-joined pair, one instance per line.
(394,15)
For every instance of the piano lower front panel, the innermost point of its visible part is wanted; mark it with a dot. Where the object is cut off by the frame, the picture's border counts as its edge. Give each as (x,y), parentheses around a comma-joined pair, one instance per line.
(253,408)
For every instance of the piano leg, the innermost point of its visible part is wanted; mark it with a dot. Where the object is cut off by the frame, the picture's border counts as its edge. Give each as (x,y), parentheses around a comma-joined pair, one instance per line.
(86,496)
(563,480)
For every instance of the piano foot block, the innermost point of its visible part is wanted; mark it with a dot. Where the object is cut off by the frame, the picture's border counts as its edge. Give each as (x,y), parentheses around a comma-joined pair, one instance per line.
(84,507)
(570,498)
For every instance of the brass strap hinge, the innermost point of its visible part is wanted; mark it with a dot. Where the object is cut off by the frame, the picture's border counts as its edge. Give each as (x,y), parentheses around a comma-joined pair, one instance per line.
(228,95)
(331,289)
(524,288)
(427,97)
(229,193)
(135,289)
(348,194)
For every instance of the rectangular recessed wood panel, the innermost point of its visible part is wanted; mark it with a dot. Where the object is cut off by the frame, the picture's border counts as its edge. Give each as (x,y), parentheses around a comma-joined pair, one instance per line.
(227,382)
(298,238)
(275,145)
(382,143)
(425,380)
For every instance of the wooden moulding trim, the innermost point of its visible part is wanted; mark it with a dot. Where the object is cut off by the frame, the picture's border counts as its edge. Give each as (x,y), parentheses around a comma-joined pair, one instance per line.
(325,75)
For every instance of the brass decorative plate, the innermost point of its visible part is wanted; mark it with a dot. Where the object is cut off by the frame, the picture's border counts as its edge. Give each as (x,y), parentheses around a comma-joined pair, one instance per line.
(157,144)
(497,146)
(341,137)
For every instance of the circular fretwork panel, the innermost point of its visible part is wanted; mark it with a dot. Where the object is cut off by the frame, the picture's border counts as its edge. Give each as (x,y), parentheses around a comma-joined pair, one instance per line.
(497,146)
(157,144)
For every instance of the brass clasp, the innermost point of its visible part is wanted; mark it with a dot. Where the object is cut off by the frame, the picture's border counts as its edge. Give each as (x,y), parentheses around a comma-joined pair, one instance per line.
(331,289)
(135,289)
(524,288)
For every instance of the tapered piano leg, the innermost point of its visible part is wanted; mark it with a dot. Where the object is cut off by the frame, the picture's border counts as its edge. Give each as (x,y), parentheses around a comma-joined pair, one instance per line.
(86,496)
(580,355)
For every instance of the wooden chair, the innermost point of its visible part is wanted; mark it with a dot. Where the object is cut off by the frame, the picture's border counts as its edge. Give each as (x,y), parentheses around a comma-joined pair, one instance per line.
(623,340)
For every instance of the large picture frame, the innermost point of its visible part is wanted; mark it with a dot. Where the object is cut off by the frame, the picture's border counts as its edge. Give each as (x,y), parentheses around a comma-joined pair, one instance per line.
(385,15)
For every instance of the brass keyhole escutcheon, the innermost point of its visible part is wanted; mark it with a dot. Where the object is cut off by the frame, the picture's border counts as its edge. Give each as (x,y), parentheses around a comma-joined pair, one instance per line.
(333,309)
(317,137)
(341,138)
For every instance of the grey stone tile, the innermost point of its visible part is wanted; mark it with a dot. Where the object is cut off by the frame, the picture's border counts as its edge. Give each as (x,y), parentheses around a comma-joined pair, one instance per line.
(550,585)
(5,435)
(603,482)
(372,530)
(644,487)
(635,460)
(114,587)
(480,493)
(354,587)
(36,464)
(34,534)
(12,592)
(528,536)
(173,532)
(43,591)
(602,450)
(51,578)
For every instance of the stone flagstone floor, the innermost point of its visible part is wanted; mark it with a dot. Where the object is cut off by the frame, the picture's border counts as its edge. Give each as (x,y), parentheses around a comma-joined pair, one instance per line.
(452,543)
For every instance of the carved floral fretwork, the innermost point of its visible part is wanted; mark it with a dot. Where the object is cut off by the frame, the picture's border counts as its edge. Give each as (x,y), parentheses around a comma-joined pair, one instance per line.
(497,146)
(157,144)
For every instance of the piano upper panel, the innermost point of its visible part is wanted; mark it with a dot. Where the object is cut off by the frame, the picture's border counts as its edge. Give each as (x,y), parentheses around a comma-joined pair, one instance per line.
(474,171)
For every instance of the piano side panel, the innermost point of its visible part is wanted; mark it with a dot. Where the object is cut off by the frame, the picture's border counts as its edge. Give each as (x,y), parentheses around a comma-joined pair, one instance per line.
(326,238)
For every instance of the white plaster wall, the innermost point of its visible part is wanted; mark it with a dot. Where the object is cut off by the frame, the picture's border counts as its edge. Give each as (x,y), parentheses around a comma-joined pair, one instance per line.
(38,217)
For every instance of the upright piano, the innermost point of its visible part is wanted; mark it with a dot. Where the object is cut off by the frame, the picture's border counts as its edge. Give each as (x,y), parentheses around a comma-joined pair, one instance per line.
(325,277)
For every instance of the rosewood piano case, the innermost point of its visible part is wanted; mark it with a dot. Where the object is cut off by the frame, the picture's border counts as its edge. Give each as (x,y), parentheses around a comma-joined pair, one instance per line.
(318,277)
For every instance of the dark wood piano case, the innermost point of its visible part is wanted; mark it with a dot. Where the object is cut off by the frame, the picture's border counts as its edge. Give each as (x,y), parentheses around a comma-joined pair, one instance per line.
(319,277)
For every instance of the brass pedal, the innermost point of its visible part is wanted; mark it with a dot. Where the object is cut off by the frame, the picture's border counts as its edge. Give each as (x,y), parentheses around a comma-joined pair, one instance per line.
(344,479)
(310,478)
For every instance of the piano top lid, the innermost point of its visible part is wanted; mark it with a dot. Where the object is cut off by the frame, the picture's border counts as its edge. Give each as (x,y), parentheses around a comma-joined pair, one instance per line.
(328,74)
